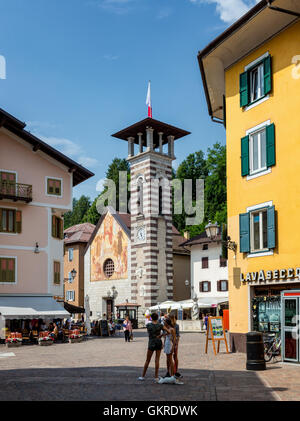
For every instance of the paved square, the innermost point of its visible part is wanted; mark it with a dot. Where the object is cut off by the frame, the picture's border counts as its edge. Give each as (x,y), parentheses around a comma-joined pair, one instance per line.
(107,369)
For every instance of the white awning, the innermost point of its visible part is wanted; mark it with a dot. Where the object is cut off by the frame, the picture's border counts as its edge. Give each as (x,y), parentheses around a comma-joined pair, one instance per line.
(31,306)
(206,302)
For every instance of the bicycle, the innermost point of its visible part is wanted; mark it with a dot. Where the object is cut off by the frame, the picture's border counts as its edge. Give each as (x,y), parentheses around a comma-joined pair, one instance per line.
(272,347)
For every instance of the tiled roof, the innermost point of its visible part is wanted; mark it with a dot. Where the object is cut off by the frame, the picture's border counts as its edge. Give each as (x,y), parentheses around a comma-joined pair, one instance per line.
(79,233)
(200,239)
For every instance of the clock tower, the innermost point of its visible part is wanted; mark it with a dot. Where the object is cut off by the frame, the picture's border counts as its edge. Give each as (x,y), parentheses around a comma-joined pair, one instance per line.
(150,154)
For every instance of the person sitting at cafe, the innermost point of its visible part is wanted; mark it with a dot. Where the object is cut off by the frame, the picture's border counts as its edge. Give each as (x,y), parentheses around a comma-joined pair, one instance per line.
(54,332)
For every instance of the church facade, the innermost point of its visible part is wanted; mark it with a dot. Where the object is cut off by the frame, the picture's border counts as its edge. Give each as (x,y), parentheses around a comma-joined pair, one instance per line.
(129,259)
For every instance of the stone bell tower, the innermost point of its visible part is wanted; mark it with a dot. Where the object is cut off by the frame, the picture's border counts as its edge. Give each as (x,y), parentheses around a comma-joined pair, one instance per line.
(151,209)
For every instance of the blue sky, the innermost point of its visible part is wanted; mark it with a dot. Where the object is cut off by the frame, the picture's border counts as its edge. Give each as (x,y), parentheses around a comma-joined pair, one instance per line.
(77,71)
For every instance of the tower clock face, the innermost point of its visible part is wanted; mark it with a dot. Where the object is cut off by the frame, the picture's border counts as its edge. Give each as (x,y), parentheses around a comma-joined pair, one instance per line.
(141,234)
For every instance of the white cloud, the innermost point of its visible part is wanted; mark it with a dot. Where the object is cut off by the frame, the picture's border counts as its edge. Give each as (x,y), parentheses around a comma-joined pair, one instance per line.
(118,7)
(110,57)
(164,13)
(229,10)
(100,184)
(64,145)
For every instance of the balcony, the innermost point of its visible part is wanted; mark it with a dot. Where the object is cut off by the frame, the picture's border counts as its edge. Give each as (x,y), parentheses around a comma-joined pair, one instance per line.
(15,191)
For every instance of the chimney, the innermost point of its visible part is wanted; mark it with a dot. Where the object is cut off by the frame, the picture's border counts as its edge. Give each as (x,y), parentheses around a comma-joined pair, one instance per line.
(186,235)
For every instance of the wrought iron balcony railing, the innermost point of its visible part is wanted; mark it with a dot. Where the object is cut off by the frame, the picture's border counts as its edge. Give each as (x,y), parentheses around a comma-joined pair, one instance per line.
(15,191)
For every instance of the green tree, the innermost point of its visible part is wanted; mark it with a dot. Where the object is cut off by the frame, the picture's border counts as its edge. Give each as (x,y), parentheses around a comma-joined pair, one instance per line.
(80,207)
(112,173)
(215,185)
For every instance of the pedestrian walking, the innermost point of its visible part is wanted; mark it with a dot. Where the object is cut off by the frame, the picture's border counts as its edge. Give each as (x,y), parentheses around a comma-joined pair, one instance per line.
(206,320)
(127,327)
(154,329)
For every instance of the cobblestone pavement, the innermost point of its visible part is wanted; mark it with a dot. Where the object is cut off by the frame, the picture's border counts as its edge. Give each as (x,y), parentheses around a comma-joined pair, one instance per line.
(108,368)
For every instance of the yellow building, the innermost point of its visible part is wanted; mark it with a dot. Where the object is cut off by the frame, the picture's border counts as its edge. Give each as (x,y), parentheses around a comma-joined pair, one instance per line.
(251,76)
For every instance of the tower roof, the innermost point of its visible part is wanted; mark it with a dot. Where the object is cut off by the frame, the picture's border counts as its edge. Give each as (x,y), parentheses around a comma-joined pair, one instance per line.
(158,126)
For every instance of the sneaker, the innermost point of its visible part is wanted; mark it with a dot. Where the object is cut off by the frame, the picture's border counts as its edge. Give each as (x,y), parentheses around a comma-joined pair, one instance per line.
(157,379)
(141,378)
(167,374)
(178,375)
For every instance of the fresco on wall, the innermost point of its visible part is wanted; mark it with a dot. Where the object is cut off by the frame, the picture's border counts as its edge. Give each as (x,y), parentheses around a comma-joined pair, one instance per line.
(110,242)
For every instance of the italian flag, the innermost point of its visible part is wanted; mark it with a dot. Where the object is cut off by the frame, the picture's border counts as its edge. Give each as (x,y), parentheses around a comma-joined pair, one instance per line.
(148,100)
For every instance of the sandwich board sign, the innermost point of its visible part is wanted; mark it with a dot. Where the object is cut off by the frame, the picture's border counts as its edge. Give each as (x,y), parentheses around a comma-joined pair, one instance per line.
(215,333)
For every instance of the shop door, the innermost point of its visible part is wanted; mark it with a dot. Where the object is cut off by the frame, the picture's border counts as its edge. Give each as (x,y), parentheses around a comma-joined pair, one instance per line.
(109,308)
(289,332)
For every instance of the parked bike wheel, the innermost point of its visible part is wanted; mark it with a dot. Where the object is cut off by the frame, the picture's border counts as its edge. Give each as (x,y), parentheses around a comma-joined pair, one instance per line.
(268,352)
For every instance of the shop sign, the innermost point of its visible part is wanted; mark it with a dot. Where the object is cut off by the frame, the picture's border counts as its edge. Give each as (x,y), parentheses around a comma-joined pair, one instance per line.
(271,275)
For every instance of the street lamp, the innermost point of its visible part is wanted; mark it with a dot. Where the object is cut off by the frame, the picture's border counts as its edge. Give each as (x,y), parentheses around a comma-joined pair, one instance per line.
(212,232)
(73,273)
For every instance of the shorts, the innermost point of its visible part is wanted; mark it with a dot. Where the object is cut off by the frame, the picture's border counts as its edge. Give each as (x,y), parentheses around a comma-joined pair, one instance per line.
(155,345)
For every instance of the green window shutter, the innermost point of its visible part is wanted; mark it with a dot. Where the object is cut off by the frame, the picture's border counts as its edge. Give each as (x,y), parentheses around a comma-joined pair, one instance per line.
(18,222)
(244,232)
(270,143)
(224,111)
(245,155)
(244,89)
(54,233)
(271,227)
(267,75)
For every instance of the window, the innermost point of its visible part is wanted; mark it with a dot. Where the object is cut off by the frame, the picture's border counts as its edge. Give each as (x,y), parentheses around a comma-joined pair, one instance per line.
(222,285)
(54,186)
(256,76)
(258,230)
(70,295)
(258,153)
(204,262)
(7,183)
(258,150)
(70,254)
(56,271)
(7,269)
(205,286)
(108,268)
(256,82)
(10,220)
(205,247)
(223,262)
(70,278)
(57,227)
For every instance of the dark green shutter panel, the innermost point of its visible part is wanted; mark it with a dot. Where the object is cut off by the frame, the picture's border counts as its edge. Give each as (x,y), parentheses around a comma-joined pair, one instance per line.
(224,111)
(245,155)
(271,227)
(244,89)
(244,232)
(267,75)
(270,143)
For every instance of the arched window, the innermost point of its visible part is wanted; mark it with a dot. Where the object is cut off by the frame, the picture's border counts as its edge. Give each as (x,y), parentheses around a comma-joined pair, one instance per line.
(140,192)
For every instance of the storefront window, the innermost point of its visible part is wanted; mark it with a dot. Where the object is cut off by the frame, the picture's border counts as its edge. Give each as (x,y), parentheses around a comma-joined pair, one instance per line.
(269,316)
(290,307)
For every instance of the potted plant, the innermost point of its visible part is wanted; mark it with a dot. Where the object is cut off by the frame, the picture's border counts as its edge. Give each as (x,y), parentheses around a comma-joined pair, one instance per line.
(13,342)
(46,340)
(75,336)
